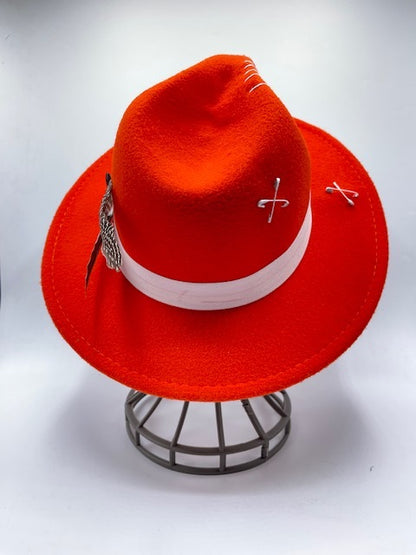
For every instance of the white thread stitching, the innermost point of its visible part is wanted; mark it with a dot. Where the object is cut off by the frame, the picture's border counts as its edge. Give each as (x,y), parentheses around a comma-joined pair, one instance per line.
(336,187)
(251,70)
(283,202)
(255,86)
(250,76)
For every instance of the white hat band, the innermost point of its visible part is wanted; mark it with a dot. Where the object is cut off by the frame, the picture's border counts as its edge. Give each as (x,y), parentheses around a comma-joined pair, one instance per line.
(219,295)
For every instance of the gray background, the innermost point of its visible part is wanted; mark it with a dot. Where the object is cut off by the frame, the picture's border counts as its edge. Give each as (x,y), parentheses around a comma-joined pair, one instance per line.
(70,481)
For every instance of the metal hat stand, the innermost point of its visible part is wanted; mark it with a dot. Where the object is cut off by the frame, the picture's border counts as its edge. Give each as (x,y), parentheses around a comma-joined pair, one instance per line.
(241,434)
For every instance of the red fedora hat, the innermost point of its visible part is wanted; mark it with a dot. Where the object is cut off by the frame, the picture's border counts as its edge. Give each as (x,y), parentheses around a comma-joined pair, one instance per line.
(252,247)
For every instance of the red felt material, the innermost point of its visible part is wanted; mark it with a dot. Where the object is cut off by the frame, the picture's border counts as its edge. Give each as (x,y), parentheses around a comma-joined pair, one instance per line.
(228,354)
(192,157)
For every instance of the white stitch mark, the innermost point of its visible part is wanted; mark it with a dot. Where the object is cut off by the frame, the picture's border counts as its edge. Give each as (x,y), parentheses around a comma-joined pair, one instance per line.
(255,86)
(336,187)
(283,202)
(251,72)
(250,76)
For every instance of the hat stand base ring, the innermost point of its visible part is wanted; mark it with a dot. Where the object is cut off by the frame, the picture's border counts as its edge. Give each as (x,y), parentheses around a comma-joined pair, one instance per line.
(263,421)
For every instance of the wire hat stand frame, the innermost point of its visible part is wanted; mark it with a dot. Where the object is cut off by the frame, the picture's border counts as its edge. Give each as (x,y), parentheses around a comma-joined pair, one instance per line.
(264,423)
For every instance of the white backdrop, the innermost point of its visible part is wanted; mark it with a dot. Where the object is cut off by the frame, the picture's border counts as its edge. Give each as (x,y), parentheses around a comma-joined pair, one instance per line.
(70,480)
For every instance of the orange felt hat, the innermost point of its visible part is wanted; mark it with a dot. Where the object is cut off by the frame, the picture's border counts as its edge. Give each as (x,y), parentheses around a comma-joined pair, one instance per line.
(240,273)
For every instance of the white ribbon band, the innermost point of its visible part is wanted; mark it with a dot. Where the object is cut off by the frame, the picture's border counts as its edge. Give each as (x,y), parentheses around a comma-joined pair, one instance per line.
(219,295)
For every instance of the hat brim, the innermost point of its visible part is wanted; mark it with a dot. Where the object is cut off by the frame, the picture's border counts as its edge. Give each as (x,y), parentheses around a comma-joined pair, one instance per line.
(229,354)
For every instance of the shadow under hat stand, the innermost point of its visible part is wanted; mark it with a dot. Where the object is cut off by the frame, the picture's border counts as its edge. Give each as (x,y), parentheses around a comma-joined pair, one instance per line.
(242,434)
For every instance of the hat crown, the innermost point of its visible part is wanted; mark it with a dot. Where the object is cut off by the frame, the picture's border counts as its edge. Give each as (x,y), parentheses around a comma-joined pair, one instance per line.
(193,157)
